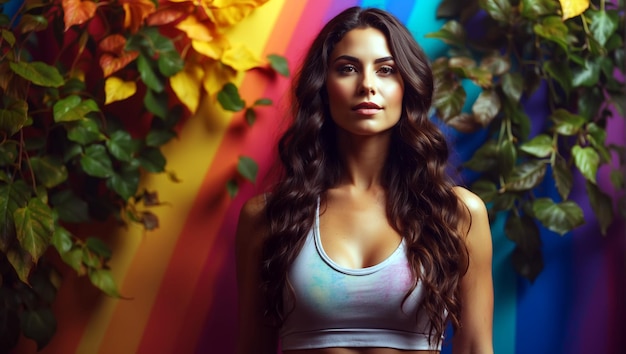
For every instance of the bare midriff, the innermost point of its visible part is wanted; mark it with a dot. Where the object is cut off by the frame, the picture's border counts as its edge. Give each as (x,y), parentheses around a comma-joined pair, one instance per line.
(359,351)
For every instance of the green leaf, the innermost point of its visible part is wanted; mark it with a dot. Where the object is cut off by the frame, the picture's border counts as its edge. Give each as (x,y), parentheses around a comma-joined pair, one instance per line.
(560,72)
(563,177)
(170,63)
(485,158)
(451,33)
(91,259)
(449,99)
(62,239)
(464,122)
(125,183)
(229,98)
(602,206)
(597,138)
(250,116)
(279,64)
(485,189)
(14,116)
(558,217)
(48,171)
(8,154)
(589,104)
(84,131)
(526,176)
(156,103)
(34,226)
(617,179)
(232,188)
(12,197)
(533,9)
(507,155)
(553,29)
(9,37)
(103,280)
(486,106)
(69,207)
(122,146)
(156,138)
(262,102)
(567,123)
(39,73)
(32,23)
(74,258)
(39,325)
(148,75)
(499,10)
(526,258)
(603,24)
(96,162)
(152,160)
(587,76)
(21,261)
(587,160)
(99,247)
(513,86)
(73,108)
(539,146)
(247,168)
(496,64)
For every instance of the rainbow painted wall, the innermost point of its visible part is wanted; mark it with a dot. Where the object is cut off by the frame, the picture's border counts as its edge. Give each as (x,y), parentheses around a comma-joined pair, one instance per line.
(181,279)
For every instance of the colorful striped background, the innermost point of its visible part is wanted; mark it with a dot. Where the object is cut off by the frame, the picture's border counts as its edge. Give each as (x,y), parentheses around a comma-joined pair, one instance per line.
(181,280)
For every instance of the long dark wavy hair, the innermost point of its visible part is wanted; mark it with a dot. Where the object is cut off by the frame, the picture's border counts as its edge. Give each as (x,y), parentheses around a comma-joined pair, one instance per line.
(421,205)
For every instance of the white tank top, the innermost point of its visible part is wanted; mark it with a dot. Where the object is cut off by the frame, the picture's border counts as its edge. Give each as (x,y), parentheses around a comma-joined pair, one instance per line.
(341,307)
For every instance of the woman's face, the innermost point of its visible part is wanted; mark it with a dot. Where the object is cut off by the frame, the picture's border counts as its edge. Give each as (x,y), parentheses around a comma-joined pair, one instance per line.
(364,87)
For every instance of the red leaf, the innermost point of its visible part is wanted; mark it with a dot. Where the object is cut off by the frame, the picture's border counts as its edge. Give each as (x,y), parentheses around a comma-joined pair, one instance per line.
(114,57)
(77,12)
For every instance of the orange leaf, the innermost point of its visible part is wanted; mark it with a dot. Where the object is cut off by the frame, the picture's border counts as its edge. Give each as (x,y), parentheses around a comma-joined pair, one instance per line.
(170,13)
(114,57)
(135,12)
(76,12)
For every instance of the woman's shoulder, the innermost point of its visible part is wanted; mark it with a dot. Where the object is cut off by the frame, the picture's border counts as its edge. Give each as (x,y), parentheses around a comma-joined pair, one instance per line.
(472,201)
(252,226)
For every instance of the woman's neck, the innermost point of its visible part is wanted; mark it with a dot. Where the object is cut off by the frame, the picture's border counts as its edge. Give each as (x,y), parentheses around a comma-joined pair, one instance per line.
(364,158)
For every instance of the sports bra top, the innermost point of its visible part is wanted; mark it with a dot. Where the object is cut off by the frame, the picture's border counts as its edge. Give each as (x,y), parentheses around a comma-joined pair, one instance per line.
(336,306)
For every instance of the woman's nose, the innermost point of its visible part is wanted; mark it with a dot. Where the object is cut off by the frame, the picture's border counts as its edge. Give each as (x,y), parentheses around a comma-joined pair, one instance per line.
(367,85)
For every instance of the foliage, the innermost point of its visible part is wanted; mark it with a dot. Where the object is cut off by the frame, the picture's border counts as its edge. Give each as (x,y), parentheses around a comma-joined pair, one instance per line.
(574,50)
(90,92)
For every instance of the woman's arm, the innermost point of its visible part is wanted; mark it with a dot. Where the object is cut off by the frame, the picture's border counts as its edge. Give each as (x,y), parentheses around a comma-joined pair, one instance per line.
(254,335)
(476,333)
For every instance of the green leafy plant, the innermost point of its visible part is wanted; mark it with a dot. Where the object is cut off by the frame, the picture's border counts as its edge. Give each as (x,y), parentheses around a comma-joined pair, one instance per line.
(90,92)
(516,47)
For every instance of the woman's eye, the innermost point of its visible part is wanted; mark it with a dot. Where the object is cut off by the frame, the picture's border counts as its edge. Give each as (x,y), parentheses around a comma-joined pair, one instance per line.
(347,69)
(386,70)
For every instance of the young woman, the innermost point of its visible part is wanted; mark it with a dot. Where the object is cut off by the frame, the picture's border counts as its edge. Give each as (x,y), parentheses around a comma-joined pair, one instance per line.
(364,245)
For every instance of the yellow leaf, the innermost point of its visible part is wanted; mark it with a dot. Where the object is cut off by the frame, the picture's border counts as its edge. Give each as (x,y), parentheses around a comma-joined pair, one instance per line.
(213,49)
(217,74)
(195,29)
(573,8)
(117,89)
(225,13)
(241,58)
(135,12)
(187,85)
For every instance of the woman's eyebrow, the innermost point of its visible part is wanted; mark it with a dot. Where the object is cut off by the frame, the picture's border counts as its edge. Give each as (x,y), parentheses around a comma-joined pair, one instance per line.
(356,60)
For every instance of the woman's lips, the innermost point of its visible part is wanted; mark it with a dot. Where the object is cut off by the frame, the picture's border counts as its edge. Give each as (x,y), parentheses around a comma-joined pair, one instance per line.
(367,108)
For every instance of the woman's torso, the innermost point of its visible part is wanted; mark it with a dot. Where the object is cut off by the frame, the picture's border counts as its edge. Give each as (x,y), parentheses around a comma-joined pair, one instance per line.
(357,246)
